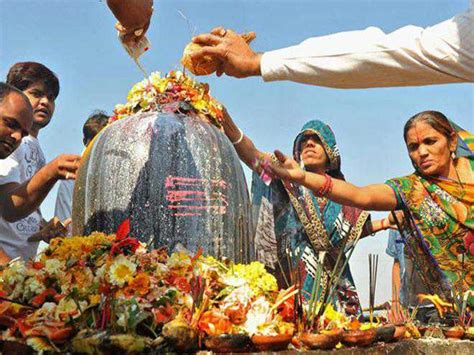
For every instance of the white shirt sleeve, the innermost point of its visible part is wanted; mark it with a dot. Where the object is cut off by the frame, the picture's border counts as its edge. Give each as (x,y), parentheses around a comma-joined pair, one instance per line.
(9,171)
(443,53)
(63,208)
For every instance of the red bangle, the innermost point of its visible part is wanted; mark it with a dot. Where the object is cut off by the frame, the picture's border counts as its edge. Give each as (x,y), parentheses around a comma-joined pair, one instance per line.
(331,184)
(323,186)
(326,188)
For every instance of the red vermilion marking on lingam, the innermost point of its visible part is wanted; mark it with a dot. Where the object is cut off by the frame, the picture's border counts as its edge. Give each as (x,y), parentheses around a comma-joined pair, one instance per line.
(193,190)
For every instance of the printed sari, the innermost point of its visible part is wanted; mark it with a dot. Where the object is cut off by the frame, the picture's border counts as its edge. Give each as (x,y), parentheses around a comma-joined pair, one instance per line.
(442,219)
(294,226)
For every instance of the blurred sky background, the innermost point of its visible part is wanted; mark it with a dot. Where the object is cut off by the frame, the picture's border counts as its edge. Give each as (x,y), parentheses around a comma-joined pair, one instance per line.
(77,40)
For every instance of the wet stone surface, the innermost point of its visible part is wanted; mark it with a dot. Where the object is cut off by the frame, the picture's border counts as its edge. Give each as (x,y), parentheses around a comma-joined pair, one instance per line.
(177,179)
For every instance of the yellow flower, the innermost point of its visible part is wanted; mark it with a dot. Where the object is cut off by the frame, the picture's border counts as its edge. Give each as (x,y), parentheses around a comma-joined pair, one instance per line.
(121,271)
(155,77)
(137,90)
(174,87)
(259,280)
(332,315)
(161,86)
(94,299)
(200,105)
(75,247)
(178,260)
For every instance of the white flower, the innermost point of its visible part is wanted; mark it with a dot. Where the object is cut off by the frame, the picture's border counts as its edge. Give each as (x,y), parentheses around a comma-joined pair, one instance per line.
(121,271)
(99,273)
(53,266)
(232,280)
(258,315)
(178,74)
(178,260)
(122,320)
(241,294)
(48,306)
(119,107)
(46,311)
(187,300)
(33,286)
(15,273)
(141,248)
(161,269)
(67,307)
(155,77)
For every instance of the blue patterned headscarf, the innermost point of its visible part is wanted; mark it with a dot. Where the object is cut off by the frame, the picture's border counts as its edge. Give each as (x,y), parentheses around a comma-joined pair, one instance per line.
(328,139)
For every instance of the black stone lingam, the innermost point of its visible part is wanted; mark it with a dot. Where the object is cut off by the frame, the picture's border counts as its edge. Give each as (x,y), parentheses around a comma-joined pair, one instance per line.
(178,179)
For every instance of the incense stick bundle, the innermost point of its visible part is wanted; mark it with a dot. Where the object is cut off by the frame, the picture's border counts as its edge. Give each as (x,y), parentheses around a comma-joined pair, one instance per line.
(335,277)
(373,266)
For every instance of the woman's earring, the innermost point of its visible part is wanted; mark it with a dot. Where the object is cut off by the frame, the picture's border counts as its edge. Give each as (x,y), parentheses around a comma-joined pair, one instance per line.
(453,155)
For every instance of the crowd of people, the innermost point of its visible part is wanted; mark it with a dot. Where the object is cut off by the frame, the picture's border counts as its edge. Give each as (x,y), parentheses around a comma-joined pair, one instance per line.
(313,207)
(435,254)
(27,103)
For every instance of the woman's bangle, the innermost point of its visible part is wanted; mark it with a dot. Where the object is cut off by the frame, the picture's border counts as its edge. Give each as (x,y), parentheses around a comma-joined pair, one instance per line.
(326,188)
(331,184)
(240,138)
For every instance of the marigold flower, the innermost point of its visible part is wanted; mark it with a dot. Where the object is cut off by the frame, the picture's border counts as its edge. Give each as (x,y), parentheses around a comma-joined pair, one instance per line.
(141,283)
(94,299)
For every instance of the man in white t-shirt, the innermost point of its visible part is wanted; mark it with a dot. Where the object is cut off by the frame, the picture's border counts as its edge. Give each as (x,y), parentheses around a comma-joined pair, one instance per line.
(94,124)
(16,119)
(17,200)
(41,86)
(18,168)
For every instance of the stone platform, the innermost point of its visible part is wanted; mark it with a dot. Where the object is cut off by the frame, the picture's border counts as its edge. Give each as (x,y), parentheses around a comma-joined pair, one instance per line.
(425,346)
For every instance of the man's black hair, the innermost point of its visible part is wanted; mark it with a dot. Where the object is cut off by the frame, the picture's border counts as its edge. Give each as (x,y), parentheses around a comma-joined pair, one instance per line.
(95,122)
(24,74)
(7,89)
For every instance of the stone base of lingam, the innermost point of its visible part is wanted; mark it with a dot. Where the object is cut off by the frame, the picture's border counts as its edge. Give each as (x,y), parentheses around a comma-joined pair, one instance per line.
(424,346)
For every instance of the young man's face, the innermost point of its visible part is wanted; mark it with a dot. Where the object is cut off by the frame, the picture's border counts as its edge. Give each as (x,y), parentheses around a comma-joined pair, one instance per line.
(42,102)
(16,119)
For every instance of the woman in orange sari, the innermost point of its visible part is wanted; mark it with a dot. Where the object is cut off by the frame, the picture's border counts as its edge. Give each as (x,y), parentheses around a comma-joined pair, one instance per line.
(438,198)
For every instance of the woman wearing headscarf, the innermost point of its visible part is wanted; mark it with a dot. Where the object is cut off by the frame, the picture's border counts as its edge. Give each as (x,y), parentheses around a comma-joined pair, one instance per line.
(295,227)
(438,200)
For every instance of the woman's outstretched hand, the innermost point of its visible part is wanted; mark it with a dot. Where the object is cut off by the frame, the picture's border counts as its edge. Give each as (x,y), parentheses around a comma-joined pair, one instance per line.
(288,169)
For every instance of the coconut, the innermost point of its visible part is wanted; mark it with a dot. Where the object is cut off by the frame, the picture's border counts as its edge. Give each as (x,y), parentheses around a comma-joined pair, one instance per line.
(206,65)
